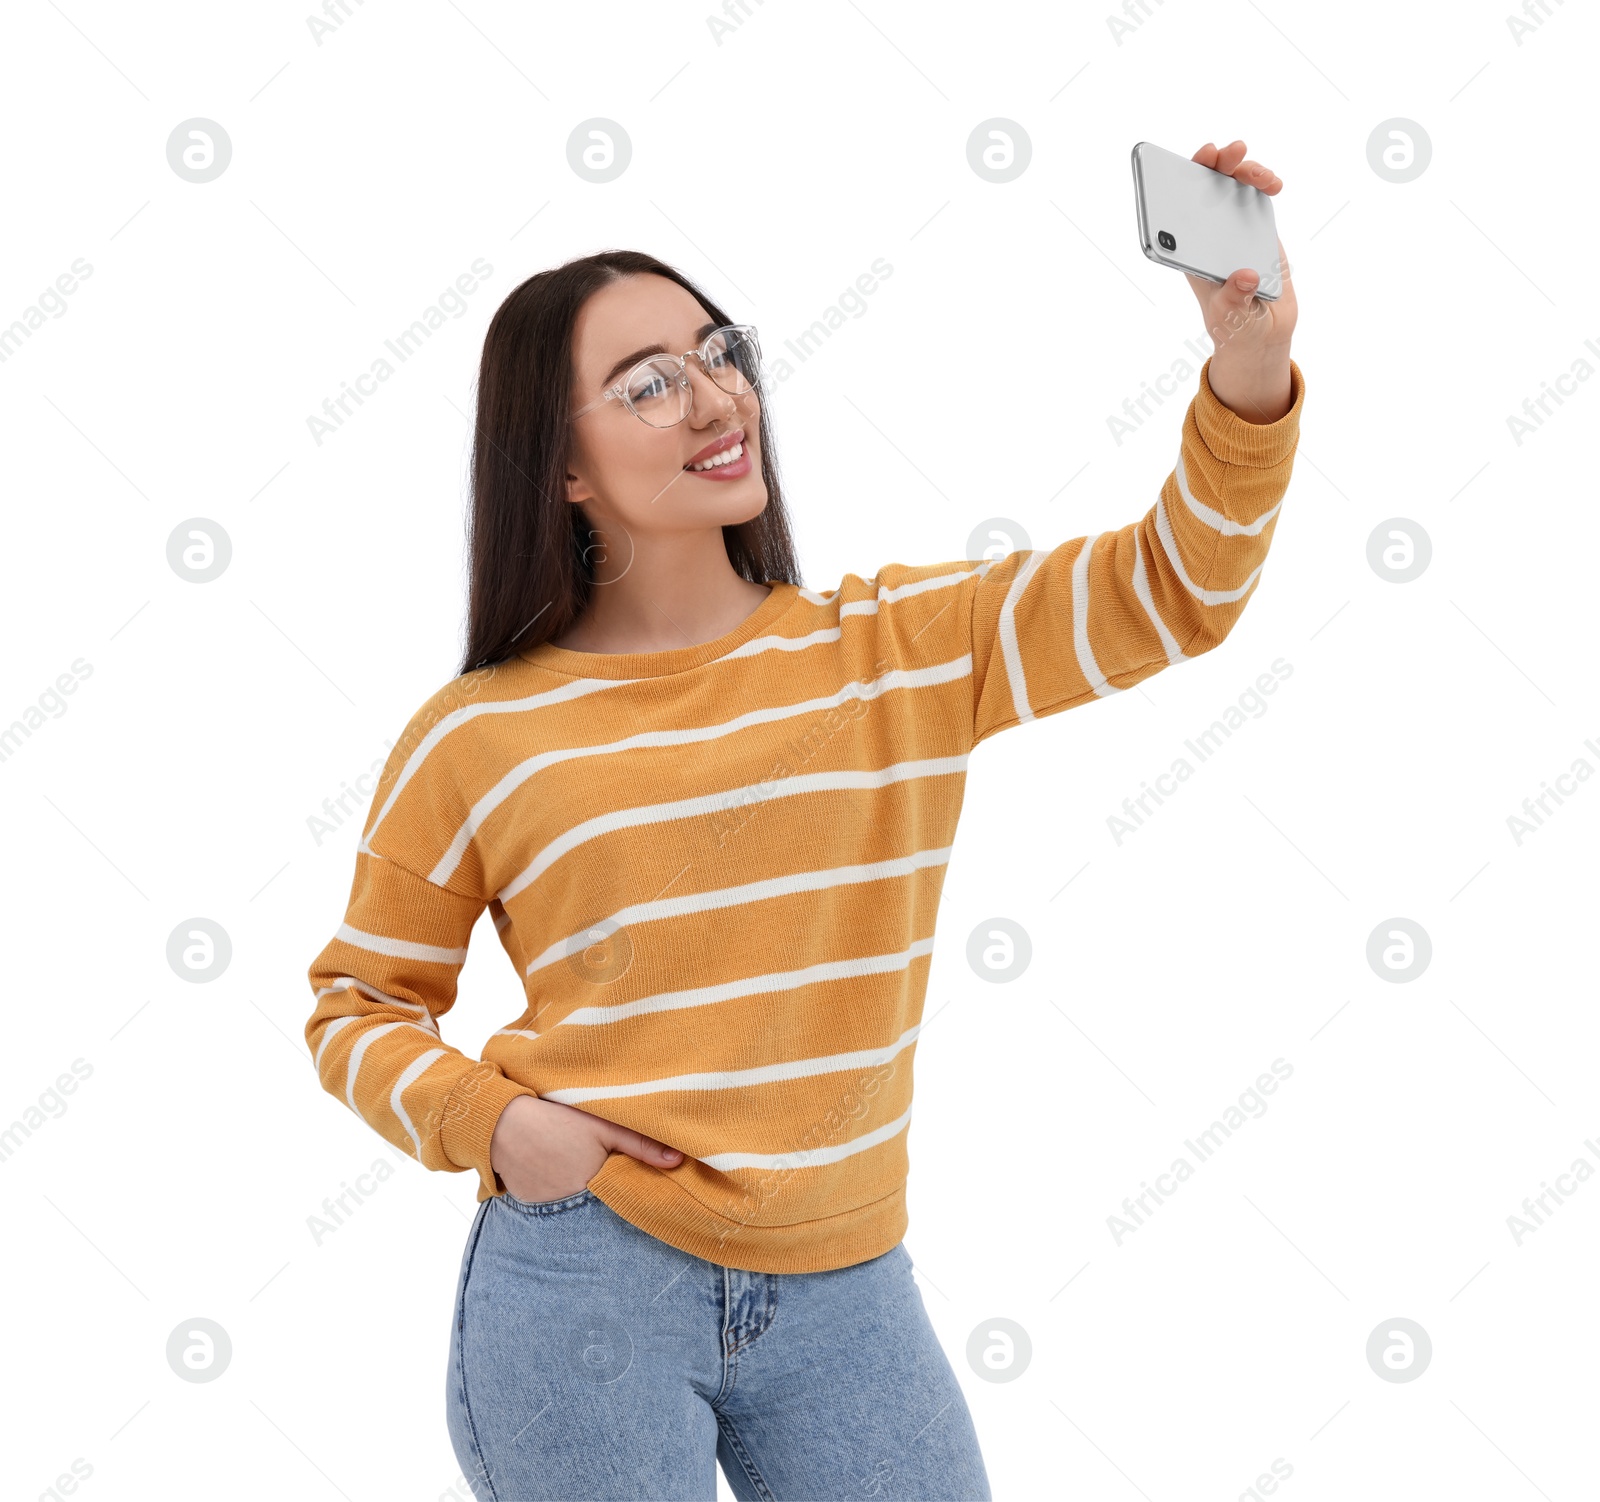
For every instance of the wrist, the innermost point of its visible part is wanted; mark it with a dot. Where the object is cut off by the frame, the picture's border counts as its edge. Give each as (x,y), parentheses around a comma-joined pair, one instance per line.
(1257,388)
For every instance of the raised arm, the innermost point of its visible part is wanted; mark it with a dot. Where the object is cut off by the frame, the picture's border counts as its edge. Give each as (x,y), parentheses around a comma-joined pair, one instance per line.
(1097,614)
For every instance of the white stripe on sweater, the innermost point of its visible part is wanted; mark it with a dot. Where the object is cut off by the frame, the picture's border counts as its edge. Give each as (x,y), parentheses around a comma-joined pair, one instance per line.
(337,1025)
(351,983)
(478,815)
(400,949)
(722,802)
(1215,519)
(1080,622)
(577,689)
(352,1063)
(1141,587)
(782,643)
(1010,647)
(1080,605)
(580,687)
(811,1157)
(751,891)
(1169,541)
(407,1075)
(734,1079)
(752,985)
(887,595)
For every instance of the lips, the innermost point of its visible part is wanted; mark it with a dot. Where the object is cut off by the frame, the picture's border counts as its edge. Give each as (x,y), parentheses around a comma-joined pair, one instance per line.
(730,460)
(727,441)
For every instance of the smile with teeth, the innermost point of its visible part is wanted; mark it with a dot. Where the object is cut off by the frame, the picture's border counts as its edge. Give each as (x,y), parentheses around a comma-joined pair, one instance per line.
(716,461)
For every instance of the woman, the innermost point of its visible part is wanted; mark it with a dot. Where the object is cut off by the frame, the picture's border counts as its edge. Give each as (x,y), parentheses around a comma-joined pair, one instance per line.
(709,811)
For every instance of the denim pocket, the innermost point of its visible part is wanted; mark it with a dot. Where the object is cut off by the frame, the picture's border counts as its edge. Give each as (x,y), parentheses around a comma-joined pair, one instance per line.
(548,1207)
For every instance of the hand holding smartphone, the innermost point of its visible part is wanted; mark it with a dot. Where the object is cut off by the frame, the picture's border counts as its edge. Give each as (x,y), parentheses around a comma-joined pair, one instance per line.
(1210,217)
(1202,222)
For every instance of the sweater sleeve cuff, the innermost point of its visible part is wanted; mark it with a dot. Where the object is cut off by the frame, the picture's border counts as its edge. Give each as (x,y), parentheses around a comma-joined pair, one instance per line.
(470,1114)
(1235,441)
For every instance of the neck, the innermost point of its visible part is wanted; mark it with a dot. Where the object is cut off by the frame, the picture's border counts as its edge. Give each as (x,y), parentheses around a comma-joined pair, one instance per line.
(658,593)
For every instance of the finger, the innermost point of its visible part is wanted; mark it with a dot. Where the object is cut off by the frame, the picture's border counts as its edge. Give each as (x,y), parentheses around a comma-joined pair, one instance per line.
(1239,291)
(1206,155)
(1258,176)
(1230,156)
(646,1149)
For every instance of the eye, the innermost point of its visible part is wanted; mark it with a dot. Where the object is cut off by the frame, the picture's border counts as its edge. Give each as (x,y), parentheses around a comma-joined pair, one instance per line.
(650,383)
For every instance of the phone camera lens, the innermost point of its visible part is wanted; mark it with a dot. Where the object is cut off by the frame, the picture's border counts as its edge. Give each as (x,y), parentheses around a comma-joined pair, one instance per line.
(1166,241)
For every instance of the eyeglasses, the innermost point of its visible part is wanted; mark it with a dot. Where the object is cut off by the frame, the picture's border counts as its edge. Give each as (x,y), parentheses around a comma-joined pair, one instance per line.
(658,392)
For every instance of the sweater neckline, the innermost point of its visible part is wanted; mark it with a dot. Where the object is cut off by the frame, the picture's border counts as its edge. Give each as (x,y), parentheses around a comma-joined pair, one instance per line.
(673,660)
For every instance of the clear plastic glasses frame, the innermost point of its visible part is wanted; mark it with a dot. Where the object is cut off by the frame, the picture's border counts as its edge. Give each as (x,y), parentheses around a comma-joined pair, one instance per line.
(751,380)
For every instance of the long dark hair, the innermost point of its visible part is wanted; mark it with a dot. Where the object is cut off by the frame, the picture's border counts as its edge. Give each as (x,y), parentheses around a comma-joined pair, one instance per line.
(528,546)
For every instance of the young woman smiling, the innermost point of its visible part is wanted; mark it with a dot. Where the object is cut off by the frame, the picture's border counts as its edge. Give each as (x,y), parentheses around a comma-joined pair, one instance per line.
(709,812)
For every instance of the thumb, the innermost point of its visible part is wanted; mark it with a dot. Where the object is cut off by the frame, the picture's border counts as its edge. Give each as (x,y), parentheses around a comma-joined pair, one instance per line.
(645,1149)
(1233,305)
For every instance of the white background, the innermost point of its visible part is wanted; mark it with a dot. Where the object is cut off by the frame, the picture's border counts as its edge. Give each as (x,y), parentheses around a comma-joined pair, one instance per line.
(1168,971)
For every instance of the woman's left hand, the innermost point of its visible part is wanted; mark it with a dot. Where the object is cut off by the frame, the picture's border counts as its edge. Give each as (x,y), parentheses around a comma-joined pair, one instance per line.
(1250,362)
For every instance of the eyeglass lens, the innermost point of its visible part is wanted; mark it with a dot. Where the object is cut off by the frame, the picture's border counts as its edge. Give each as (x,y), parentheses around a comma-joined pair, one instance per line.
(662,396)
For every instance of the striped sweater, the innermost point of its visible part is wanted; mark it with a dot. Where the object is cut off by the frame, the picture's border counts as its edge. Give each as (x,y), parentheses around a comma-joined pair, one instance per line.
(716,869)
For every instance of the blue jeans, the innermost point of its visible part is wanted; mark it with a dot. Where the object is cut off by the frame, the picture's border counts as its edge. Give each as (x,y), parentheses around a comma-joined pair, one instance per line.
(588,1359)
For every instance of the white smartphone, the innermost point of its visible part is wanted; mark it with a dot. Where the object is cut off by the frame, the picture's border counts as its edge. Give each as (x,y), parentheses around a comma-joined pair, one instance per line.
(1203,222)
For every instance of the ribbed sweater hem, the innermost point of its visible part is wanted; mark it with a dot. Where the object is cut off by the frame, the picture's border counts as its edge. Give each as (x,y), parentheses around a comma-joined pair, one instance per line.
(649,1199)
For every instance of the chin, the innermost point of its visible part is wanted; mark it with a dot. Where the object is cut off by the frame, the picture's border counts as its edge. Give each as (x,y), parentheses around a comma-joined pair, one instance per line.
(745,506)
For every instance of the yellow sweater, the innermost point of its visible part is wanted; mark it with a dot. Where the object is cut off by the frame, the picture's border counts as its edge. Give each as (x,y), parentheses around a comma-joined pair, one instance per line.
(716,869)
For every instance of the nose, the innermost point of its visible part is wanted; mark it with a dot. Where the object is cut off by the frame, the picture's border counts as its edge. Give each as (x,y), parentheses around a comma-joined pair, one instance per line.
(710,401)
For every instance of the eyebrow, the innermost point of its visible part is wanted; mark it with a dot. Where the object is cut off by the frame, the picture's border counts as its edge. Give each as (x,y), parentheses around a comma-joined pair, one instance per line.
(701,333)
